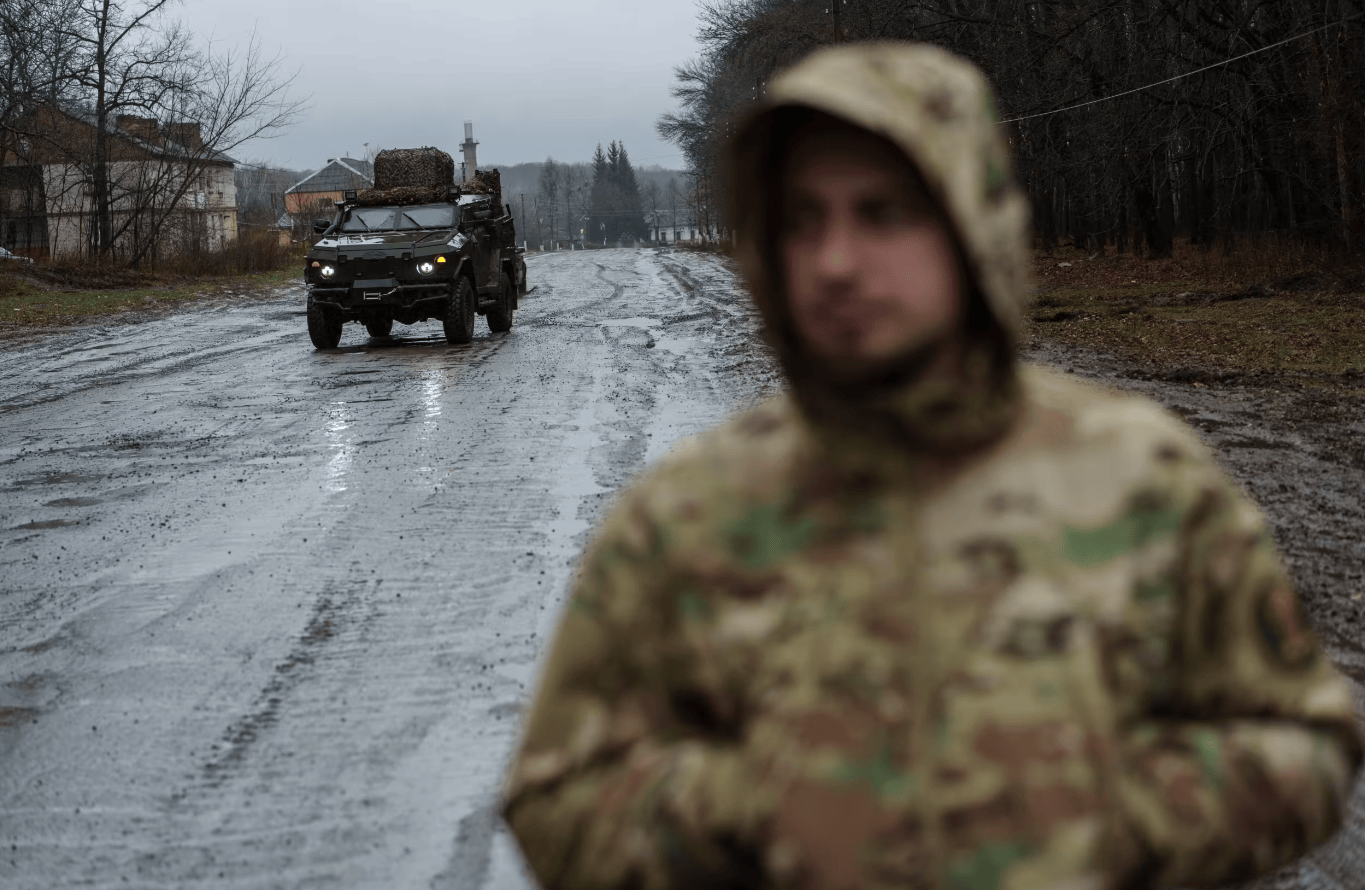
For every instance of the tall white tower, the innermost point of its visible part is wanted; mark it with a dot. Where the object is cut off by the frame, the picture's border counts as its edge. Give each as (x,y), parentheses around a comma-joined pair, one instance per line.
(470,164)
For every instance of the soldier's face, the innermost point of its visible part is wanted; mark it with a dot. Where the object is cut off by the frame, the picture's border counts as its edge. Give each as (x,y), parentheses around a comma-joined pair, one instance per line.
(871,268)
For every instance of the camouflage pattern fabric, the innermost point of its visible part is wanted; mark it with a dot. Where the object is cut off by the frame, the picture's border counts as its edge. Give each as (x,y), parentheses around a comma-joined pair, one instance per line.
(425,167)
(1067,657)
(485,182)
(400,195)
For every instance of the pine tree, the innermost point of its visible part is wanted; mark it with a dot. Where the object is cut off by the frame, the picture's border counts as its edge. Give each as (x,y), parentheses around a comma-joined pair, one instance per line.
(614,195)
(630,207)
(600,214)
(616,213)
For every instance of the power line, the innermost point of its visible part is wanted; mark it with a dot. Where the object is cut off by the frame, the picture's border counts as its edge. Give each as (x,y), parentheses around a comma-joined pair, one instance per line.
(1029,117)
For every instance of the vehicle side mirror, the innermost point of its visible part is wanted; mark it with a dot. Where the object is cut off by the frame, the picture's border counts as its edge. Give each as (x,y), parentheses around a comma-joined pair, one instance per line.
(521,250)
(320,226)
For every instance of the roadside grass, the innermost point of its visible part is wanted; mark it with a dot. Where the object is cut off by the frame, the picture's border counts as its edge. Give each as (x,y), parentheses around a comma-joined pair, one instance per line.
(28,301)
(1202,311)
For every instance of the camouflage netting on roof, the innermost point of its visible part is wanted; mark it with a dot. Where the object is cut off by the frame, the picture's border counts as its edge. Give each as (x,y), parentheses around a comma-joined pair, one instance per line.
(415,167)
(401,195)
(485,182)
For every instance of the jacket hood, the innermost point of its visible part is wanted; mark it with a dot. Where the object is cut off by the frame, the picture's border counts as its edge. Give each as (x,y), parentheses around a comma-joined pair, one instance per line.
(940,111)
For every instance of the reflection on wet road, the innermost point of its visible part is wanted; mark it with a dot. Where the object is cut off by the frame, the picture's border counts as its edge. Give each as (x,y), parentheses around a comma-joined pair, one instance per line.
(267,615)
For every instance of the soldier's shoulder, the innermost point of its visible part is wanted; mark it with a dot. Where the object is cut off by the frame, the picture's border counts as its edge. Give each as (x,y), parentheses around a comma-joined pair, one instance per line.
(1090,414)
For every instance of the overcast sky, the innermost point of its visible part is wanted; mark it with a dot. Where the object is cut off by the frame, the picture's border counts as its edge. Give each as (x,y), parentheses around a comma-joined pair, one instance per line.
(537,77)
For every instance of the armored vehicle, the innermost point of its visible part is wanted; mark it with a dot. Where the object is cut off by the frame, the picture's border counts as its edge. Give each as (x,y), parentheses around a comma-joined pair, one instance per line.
(410,253)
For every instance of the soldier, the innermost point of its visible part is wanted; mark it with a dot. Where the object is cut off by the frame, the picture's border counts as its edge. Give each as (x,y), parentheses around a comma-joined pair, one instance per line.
(933,619)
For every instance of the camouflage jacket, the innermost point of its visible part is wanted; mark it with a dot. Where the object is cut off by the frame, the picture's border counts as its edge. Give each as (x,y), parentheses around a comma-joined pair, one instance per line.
(807,654)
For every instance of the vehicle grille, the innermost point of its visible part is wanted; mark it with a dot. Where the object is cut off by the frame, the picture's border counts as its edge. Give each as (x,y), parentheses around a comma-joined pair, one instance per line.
(385,267)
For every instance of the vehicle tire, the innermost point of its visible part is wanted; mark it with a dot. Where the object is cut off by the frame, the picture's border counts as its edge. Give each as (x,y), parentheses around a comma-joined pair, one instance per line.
(324,326)
(500,313)
(379,327)
(459,320)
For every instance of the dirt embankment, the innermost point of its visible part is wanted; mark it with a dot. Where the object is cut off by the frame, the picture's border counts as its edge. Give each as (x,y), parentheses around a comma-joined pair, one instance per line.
(1267,361)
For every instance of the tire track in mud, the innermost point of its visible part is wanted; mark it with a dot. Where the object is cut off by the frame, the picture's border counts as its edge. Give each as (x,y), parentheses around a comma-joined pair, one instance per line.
(329,619)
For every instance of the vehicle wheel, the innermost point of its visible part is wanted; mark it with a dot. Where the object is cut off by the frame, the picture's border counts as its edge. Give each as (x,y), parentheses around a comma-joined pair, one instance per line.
(459,320)
(500,313)
(324,326)
(379,327)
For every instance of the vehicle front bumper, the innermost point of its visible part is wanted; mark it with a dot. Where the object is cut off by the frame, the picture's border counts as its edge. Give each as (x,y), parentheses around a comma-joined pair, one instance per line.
(378,292)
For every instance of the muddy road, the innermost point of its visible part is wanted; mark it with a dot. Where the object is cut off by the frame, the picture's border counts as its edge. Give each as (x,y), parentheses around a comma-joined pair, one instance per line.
(267,615)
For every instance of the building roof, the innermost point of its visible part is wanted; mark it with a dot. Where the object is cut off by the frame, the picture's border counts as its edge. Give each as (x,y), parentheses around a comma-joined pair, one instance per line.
(166,147)
(665,219)
(339,174)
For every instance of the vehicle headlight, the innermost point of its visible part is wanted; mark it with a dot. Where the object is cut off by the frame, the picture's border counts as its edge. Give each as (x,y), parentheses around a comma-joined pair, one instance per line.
(327,271)
(426,267)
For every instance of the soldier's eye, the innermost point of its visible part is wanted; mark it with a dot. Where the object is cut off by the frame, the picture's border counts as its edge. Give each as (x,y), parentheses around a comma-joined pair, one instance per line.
(888,212)
(803,217)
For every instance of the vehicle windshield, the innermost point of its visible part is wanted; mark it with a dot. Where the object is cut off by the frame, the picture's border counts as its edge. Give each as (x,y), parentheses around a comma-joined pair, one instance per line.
(397,219)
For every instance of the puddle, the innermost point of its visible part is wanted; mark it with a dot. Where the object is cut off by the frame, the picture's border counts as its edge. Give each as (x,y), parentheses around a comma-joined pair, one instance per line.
(675,345)
(51,523)
(630,323)
(73,502)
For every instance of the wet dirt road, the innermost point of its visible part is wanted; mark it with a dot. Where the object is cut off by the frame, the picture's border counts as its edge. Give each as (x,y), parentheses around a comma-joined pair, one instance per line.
(267,614)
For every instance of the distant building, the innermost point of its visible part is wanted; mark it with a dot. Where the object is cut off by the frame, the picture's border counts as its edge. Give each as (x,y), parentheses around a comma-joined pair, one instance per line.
(671,227)
(166,189)
(317,192)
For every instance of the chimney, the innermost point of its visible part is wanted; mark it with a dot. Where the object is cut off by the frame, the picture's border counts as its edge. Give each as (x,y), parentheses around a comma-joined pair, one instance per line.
(471,164)
(187,134)
(143,128)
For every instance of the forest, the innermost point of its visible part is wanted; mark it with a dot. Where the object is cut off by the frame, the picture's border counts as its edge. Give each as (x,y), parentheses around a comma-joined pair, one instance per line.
(1132,122)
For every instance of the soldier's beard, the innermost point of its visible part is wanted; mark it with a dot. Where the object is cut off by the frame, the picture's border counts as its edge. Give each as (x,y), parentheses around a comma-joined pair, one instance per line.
(853,376)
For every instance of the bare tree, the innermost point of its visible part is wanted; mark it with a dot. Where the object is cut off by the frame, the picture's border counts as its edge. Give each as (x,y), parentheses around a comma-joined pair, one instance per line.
(652,199)
(36,56)
(136,128)
(240,96)
(576,198)
(550,186)
(129,60)
(1131,120)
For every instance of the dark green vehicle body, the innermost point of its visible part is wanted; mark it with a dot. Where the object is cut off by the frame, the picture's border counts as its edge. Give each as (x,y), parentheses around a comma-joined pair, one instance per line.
(450,260)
